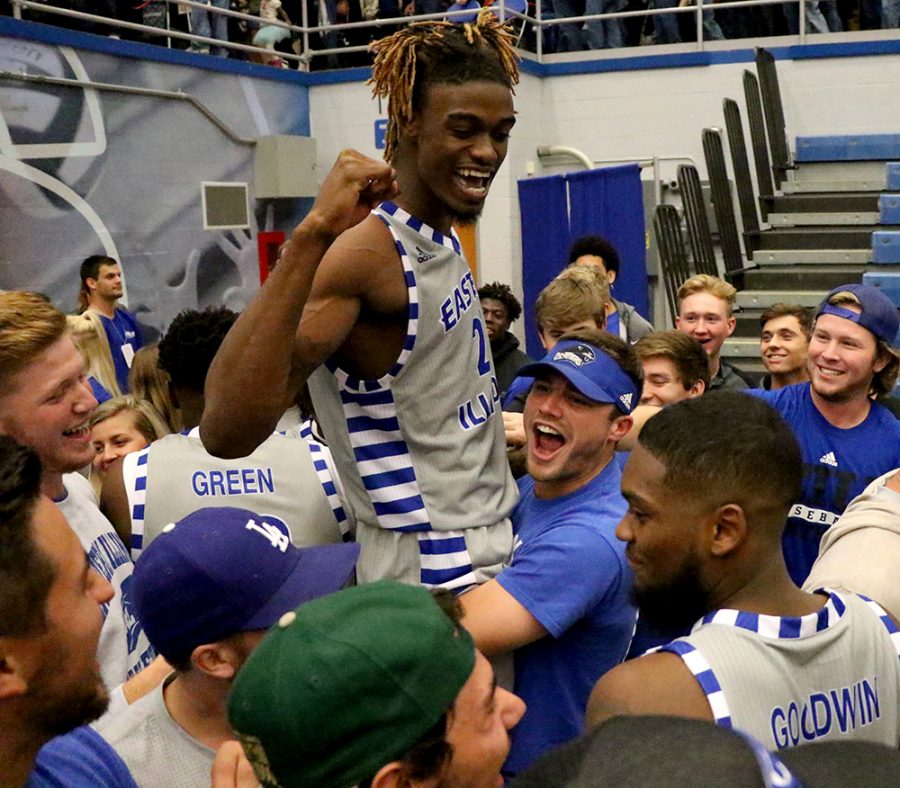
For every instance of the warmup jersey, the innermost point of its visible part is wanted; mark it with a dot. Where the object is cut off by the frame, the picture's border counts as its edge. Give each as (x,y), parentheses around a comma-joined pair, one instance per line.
(834,674)
(838,465)
(287,479)
(422,450)
(123,649)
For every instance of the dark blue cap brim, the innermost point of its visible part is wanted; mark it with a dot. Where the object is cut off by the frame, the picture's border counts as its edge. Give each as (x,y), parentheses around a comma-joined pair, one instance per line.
(320,570)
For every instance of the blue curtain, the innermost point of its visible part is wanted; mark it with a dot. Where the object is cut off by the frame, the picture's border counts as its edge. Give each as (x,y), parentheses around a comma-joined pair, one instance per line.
(556,210)
(545,241)
(610,202)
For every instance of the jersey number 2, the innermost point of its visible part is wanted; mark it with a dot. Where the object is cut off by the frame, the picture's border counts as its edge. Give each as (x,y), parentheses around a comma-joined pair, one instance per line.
(484,363)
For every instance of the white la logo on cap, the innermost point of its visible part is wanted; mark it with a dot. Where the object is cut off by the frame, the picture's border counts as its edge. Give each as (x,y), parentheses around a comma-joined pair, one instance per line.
(277,539)
(625,399)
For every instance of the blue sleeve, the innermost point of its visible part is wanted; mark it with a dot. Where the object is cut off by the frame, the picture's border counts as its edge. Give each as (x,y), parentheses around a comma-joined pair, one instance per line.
(540,577)
(79,758)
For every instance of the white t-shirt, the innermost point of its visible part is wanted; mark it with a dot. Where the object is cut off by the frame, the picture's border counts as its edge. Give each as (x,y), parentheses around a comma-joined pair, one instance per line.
(159,753)
(123,649)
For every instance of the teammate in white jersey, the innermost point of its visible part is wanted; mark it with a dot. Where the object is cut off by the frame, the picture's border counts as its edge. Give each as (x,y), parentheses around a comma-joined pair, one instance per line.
(392,313)
(45,404)
(703,529)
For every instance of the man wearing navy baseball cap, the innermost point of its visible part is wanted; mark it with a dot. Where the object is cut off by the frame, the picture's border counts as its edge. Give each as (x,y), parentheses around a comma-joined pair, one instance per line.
(210,586)
(563,606)
(847,439)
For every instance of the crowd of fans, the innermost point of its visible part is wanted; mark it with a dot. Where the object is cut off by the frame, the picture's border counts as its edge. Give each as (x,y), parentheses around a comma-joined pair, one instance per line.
(731,23)
(332,548)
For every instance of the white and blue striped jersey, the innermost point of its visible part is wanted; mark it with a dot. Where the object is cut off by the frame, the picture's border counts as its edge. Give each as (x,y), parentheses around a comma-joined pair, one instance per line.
(288,479)
(421,451)
(829,675)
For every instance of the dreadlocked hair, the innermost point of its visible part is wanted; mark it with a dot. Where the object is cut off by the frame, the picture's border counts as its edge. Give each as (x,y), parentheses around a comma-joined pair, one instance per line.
(424,53)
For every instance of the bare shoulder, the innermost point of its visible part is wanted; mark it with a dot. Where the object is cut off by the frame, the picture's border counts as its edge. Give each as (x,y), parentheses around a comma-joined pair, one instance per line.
(658,683)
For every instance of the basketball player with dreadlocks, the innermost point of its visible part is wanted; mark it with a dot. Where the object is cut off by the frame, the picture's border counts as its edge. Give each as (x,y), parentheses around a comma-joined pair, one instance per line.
(381,317)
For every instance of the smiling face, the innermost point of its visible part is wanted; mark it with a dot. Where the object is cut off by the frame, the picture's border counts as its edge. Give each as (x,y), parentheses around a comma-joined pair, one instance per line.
(705,317)
(570,438)
(663,384)
(663,530)
(47,406)
(783,346)
(482,716)
(459,139)
(842,359)
(115,437)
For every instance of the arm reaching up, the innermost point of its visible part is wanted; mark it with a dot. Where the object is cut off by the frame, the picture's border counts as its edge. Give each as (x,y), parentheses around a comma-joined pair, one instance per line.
(295,321)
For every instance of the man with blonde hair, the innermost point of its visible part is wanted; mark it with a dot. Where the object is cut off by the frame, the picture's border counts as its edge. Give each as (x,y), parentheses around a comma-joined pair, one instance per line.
(705,306)
(46,405)
(847,440)
(574,301)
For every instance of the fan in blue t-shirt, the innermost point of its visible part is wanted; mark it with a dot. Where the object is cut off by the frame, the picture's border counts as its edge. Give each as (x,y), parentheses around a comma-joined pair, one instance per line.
(847,440)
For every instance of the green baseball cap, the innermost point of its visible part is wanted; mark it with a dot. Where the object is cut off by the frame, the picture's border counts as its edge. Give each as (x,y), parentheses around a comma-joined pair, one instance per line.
(348,683)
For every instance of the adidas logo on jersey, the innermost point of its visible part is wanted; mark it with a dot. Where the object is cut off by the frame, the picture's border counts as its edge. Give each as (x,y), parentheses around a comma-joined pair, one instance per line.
(423,256)
(829,459)
(625,399)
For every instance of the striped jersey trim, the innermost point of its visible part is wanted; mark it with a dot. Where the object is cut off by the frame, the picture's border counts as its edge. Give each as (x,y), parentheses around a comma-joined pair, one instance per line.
(325,479)
(885,619)
(138,498)
(779,627)
(698,666)
(449,241)
(382,456)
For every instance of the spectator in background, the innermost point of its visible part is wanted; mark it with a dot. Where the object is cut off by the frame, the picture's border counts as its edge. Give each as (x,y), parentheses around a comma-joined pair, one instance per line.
(209,24)
(676,367)
(783,344)
(603,33)
(120,426)
(269,35)
(705,305)
(473,6)
(501,309)
(575,300)
(100,291)
(622,320)
(90,338)
(150,382)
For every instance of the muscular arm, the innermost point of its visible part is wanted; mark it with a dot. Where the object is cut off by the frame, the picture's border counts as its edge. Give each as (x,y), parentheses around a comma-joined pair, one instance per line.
(114,502)
(292,324)
(497,620)
(655,684)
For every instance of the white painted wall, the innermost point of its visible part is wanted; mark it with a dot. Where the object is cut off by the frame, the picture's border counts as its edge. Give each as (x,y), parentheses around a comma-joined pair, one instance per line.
(634,114)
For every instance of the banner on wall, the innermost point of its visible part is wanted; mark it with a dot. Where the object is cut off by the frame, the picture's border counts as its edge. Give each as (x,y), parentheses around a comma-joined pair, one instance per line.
(557,209)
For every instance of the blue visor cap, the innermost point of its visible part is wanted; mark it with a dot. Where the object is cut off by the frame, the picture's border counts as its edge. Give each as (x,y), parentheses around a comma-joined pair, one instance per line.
(879,314)
(591,371)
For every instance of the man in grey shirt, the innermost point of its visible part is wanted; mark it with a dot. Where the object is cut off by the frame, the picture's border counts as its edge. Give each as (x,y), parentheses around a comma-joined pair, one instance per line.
(209,587)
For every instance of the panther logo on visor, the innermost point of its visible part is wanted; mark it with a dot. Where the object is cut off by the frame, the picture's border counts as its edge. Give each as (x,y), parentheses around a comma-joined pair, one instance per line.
(577,356)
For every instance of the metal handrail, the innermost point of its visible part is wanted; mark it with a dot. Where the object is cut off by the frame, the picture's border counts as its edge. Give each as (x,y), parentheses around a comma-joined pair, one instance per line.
(304,30)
